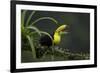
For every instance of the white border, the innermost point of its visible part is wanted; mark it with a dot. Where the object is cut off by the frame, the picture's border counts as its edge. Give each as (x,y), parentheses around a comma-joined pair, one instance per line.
(20,65)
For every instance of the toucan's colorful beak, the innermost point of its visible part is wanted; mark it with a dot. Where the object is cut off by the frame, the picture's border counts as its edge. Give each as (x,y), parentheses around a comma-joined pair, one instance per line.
(62,28)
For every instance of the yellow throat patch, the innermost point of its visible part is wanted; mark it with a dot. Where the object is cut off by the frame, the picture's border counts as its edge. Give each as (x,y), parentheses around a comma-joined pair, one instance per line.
(57,38)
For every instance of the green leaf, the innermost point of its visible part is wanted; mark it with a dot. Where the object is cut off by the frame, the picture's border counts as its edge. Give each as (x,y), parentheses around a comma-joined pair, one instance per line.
(32,46)
(44,18)
(22,17)
(34,28)
(29,18)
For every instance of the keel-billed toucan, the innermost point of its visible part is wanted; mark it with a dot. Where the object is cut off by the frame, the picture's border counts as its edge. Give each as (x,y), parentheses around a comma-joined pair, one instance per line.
(48,42)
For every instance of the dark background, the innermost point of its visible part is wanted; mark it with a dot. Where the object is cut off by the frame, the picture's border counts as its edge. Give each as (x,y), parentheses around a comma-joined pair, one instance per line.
(78,38)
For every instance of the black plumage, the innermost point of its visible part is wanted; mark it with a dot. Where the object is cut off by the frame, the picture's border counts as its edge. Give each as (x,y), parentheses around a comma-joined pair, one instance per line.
(46,41)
